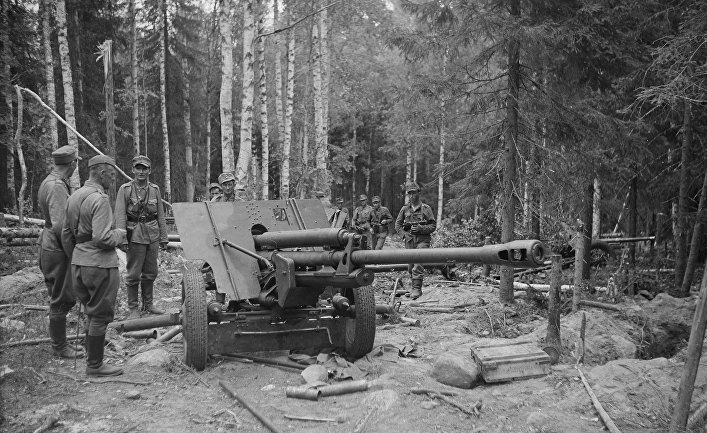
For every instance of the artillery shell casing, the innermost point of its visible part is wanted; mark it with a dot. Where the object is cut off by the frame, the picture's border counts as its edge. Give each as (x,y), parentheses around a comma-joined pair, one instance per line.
(302,393)
(344,388)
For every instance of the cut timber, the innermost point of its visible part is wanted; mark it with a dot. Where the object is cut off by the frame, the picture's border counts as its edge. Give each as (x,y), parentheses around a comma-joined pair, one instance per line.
(601,305)
(16,219)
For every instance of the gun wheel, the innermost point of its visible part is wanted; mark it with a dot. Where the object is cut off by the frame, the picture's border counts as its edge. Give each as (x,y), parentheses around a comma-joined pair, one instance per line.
(194,320)
(361,330)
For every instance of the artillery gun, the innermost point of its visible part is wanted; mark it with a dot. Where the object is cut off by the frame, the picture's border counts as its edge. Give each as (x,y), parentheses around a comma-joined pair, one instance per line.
(267,264)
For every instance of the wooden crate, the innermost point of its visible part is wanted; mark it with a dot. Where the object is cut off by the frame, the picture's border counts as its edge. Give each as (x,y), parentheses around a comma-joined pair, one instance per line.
(501,363)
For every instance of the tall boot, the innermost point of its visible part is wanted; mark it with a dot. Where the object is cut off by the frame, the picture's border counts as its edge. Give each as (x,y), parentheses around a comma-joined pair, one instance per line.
(94,358)
(147,304)
(416,288)
(57,333)
(133,312)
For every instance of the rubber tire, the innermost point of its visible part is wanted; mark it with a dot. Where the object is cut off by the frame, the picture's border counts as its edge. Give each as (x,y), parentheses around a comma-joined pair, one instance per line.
(360,332)
(194,318)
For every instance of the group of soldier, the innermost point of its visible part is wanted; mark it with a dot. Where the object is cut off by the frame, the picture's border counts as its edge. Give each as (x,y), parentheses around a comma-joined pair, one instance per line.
(78,249)
(415,223)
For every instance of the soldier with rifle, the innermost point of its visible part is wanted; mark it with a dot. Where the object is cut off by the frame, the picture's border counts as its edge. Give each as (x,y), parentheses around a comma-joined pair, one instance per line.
(362,220)
(415,223)
(52,197)
(90,238)
(139,210)
(380,219)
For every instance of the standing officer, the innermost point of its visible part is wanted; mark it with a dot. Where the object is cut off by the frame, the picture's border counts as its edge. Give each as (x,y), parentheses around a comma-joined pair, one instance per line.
(53,261)
(228,183)
(139,210)
(416,223)
(340,217)
(89,237)
(214,190)
(380,218)
(362,219)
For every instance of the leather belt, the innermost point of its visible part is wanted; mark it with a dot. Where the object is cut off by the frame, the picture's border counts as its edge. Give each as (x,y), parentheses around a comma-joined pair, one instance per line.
(142,219)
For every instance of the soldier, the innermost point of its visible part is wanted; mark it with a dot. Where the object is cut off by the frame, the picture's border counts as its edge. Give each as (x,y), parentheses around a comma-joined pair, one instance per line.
(139,210)
(214,190)
(53,261)
(340,217)
(362,219)
(89,237)
(228,183)
(415,223)
(380,219)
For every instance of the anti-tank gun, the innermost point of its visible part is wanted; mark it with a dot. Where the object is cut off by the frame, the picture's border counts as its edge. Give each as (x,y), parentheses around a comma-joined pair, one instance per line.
(268,264)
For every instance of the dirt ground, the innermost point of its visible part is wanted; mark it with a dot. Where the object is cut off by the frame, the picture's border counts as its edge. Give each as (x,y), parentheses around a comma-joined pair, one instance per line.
(160,394)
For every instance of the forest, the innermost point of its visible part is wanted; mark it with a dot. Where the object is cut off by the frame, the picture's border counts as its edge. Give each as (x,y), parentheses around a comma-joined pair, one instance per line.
(540,118)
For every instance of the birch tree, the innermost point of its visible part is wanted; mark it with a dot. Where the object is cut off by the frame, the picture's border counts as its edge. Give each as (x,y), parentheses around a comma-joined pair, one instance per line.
(226,96)
(323,176)
(287,136)
(163,99)
(246,139)
(68,84)
(7,100)
(209,58)
(187,133)
(135,95)
(319,147)
(278,79)
(264,132)
(49,69)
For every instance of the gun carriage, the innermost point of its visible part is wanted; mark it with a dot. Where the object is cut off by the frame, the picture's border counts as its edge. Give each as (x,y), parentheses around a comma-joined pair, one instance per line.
(267,264)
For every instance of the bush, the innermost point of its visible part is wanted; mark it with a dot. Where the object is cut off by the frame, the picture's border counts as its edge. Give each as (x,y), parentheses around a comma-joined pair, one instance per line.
(468,234)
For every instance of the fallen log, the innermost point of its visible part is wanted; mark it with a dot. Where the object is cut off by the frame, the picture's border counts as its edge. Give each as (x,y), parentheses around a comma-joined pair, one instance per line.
(602,305)
(26,307)
(23,232)
(434,309)
(15,218)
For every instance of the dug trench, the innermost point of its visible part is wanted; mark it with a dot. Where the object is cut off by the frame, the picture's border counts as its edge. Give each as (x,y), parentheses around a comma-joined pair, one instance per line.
(633,360)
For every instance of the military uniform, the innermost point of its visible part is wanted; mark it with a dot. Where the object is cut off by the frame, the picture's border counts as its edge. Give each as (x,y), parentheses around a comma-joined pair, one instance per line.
(380,220)
(340,217)
(421,217)
(362,220)
(236,195)
(139,210)
(214,190)
(54,263)
(89,237)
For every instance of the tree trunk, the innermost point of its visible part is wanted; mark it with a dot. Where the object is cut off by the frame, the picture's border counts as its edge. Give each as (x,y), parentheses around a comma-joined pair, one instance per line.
(323,153)
(135,95)
(226,96)
(695,246)
(304,145)
(587,227)
(440,175)
(369,162)
(209,60)
(354,145)
(107,53)
(187,133)
(246,141)
(596,210)
(682,224)
(509,168)
(319,146)
(278,81)
(582,246)
(6,120)
(80,119)
(163,100)
(287,137)
(20,157)
(49,69)
(264,131)
(632,216)
(68,83)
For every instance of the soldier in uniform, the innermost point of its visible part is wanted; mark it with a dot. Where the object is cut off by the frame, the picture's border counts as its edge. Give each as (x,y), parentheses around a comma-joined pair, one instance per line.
(380,219)
(214,190)
(139,210)
(415,223)
(228,184)
(340,217)
(89,237)
(53,261)
(362,219)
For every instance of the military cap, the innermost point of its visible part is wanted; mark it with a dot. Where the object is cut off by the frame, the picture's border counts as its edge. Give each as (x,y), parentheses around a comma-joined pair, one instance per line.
(375,199)
(319,194)
(412,186)
(226,177)
(213,185)
(363,197)
(101,159)
(65,155)
(339,200)
(142,160)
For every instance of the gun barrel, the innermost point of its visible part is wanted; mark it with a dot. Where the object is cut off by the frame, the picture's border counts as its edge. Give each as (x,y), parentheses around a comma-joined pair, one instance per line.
(330,237)
(521,253)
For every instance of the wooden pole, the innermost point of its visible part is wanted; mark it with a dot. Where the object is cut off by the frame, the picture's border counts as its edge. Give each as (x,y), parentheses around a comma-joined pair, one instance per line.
(20,155)
(487,268)
(552,337)
(107,54)
(694,352)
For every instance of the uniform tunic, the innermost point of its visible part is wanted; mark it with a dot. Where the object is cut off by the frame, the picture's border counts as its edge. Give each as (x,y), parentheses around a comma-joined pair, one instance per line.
(90,238)
(362,222)
(53,261)
(340,218)
(224,198)
(380,230)
(423,216)
(139,210)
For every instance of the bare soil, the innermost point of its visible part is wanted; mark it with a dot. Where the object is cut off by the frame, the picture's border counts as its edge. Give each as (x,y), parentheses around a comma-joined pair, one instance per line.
(637,393)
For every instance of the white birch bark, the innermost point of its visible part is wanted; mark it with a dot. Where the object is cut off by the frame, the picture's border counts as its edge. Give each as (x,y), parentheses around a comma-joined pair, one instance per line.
(49,69)
(163,100)
(264,131)
(324,70)
(279,111)
(226,96)
(319,158)
(596,210)
(440,176)
(287,136)
(246,139)
(67,82)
